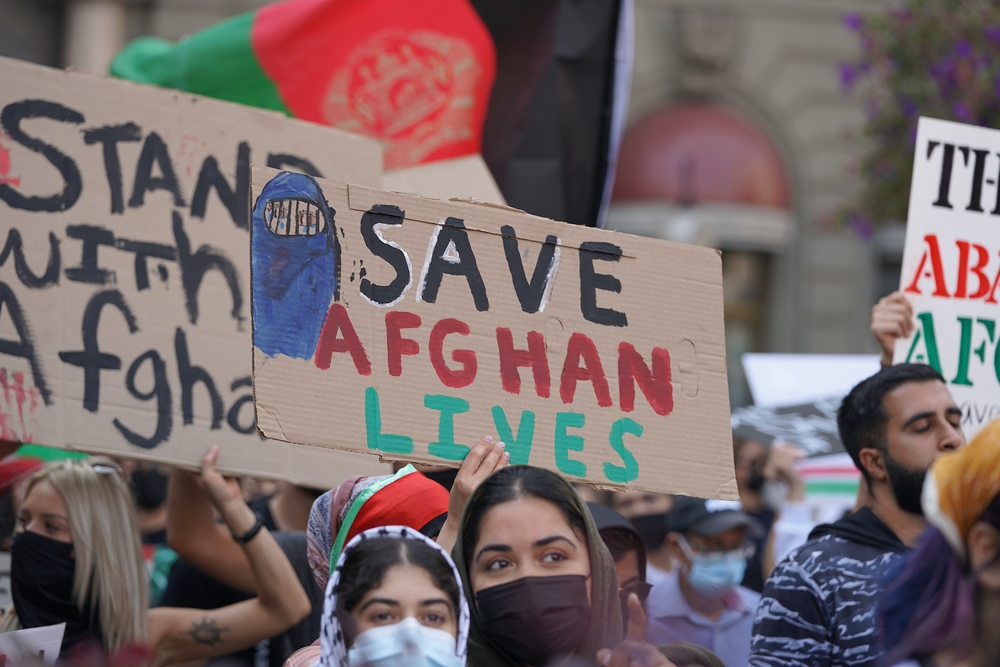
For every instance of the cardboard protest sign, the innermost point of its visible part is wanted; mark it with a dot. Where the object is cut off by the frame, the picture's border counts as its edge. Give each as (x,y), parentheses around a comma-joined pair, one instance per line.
(951,264)
(124,274)
(410,328)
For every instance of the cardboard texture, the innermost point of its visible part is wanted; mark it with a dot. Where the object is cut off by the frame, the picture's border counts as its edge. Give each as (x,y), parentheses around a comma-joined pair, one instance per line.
(412,327)
(951,264)
(459,178)
(124,281)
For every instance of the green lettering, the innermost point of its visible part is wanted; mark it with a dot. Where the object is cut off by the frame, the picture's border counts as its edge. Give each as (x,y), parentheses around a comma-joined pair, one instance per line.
(448,406)
(565,443)
(384,442)
(618,474)
(519,447)
(962,376)
(930,343)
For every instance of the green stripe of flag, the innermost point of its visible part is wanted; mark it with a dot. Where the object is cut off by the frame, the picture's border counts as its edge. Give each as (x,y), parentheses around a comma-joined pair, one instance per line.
(217,62)
(47,453)
(838,488)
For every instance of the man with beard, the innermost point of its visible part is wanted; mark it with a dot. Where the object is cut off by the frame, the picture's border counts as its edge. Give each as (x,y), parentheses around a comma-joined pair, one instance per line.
(818,606)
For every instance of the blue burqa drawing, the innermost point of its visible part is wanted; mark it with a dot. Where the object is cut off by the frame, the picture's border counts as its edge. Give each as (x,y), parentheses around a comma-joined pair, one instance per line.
(293,246)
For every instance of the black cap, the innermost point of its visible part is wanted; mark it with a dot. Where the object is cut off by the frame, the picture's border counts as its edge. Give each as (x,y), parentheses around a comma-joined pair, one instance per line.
(711,517)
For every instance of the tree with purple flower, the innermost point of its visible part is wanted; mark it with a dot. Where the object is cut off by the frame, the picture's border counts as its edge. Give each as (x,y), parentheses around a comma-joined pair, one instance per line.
(936,58)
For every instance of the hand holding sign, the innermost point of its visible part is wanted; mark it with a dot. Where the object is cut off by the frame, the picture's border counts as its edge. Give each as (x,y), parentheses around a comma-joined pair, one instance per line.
(482,461)
(892,318)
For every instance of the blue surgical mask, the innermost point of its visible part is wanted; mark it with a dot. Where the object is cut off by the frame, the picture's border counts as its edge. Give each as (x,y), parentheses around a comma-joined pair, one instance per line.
(714,575)
(404,644)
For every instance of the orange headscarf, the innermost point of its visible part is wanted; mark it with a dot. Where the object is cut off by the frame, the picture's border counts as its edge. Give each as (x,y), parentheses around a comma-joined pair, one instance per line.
(960,486)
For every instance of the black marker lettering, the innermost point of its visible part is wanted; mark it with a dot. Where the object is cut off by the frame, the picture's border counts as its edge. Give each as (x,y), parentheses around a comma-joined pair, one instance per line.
(233,417)
(10,122)
(160,391)
(195,265)
(88,271)
(24,346)
(393,254)
(591,281)
(452,254)
(24,272)
(109,136)
(189,376)
(154,150)
(530,294)
(91,359)
(142,252)
(236,200)
(283,160)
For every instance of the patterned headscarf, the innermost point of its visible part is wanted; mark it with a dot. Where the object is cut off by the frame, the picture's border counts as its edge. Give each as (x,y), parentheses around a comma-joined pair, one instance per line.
(332,640)
(408,498)
(960,486)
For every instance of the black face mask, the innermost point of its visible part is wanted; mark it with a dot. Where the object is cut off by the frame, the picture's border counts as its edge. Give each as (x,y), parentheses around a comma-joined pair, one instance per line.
(536,619)
(42,571)
(907,485)
(653,528)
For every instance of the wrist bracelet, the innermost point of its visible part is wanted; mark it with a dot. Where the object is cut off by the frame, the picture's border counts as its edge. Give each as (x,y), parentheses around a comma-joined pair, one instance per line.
(252,533)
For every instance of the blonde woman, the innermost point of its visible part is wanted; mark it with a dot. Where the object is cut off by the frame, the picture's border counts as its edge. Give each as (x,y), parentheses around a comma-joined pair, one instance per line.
(77,559)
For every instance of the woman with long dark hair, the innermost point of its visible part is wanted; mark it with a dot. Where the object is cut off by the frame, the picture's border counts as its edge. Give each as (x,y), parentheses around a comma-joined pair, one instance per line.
(541,584)
(942,606)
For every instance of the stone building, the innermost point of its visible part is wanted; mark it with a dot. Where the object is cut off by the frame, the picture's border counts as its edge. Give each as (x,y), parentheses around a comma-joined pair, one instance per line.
(739,137)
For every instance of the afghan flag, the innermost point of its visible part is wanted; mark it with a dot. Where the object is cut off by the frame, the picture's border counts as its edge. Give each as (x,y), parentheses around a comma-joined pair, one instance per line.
(537,87)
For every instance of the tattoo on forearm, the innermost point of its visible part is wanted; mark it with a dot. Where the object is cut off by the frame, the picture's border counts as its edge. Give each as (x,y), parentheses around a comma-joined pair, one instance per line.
(206,631)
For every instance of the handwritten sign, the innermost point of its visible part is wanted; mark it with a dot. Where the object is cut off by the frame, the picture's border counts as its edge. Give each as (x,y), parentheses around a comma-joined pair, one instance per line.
(951,264)
(410,328)
(124,280)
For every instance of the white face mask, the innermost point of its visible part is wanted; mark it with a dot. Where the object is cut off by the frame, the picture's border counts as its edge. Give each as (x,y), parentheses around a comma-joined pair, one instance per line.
(404,644)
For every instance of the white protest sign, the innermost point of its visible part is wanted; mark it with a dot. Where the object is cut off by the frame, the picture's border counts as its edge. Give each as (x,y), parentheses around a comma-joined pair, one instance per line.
(124,268)
(951,264)
(41,644)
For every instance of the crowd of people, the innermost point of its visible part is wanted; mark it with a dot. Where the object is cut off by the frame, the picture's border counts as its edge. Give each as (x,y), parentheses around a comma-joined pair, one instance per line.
(494,565)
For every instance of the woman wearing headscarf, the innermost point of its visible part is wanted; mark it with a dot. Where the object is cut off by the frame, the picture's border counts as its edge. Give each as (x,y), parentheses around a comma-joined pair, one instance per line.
(541,585)
(942,607)
(394,600)
(407,498)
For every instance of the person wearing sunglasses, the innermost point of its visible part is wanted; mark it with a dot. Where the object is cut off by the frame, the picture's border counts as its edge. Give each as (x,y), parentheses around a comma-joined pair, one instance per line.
(628,551)
(702,601)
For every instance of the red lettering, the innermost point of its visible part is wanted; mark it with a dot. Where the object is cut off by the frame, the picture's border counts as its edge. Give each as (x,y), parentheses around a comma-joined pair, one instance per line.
(964,270)
(655,384)
(462,377)
(992,298)
(337,321)
(396,345)
(932,251)
(581,348)
(511,359)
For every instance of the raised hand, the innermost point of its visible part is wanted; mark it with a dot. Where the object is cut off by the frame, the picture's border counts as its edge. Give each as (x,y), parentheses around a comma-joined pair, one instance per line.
(485,458)
(892,318)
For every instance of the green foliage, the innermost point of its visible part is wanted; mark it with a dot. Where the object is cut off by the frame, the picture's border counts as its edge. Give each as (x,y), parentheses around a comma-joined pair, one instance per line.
(937,58)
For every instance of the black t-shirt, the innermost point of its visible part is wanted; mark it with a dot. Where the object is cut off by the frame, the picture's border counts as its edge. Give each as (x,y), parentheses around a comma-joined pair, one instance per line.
(190,587)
